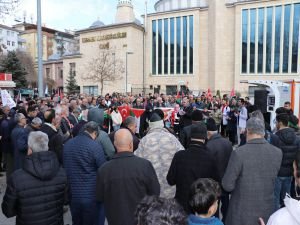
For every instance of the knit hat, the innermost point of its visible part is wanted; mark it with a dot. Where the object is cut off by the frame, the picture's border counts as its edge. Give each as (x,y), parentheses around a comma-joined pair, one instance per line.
(199,131)
(155,117)
(197,115)
(160,113)
(156,121)
(96,115)
(211,125)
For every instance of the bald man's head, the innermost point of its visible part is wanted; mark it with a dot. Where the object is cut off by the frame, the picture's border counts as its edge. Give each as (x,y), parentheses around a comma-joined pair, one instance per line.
(123,141)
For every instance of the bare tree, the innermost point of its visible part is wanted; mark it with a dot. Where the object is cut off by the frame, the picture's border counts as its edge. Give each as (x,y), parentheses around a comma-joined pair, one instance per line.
(104,67)
(7,6)
(28,63)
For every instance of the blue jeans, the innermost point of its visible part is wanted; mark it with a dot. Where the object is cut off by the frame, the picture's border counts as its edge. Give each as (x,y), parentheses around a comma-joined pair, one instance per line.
(87,212)
(282,187)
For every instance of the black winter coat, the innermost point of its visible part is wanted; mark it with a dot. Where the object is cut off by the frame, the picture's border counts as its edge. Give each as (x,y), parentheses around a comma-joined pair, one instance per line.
(189,165)
(122,183)
(36,193)
(221,148)
(19,137)
(55,141)
(289,144)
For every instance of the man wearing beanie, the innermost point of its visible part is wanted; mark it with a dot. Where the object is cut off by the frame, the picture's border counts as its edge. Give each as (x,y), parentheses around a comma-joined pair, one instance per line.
(159,147)
(221,149)
(97,115)
(185,134)
(189,165)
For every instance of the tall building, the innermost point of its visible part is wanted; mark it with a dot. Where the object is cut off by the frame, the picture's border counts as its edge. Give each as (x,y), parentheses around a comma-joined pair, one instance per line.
(10,40)
(52,40)
(196,45)
(122,45)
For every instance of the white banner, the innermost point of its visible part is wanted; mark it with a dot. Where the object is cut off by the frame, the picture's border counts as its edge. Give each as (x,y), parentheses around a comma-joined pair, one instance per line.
(7,99)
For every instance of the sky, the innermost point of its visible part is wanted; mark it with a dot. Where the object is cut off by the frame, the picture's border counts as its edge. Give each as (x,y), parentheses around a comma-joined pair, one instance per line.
(72,14)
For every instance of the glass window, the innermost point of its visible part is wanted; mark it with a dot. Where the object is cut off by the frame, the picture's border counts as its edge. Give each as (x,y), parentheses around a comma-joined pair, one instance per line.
(185,45)
(154,47)
(160,47)
(171,89)
(8,42)
(295,38)
(286,38)
(166,46)
(8,33)
(261,20)
(172,44)
(90,90)
(252,39)
(269,39)
(13,43)
(244,40)
(278,12)
(191,44)
(178,40)
(61,74)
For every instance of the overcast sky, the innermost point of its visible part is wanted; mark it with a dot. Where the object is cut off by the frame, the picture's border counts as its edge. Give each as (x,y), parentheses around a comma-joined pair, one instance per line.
(73,14)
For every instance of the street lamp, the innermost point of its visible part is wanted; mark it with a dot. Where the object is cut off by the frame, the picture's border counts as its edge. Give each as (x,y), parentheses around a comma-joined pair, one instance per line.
(40,49)
(127,53)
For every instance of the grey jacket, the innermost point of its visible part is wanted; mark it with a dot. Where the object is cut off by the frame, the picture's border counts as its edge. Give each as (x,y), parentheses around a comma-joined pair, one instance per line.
(97,115)
(250,177)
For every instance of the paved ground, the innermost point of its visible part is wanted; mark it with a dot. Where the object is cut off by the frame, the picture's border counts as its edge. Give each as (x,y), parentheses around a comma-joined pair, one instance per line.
(5,221)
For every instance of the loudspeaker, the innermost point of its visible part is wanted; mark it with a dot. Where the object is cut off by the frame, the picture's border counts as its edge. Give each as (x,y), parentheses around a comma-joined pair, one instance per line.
(261,100)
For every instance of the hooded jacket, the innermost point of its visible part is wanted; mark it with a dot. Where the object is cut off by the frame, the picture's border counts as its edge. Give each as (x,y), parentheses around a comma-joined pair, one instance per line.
(289,145)
(36,193)
(97,115)
(288,215)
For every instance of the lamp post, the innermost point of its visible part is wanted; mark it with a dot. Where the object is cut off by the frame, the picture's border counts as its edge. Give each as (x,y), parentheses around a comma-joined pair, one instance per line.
(40,49)
(126,75)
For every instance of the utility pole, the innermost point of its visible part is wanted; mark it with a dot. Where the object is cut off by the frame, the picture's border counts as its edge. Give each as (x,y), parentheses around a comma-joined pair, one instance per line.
(40,49)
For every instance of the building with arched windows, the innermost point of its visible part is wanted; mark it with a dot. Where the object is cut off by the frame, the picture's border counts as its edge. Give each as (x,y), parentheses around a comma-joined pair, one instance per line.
(196,45)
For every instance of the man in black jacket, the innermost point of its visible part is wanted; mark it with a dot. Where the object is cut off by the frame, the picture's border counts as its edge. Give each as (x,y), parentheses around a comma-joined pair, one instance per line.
(129,124)
(19,137)
(36,193)
(124,181)
(189,165)
(185,134)
(289,144)
(50,127)
(221,148)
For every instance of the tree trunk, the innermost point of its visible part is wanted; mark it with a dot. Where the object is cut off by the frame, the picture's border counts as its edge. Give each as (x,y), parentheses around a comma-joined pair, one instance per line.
(101,88)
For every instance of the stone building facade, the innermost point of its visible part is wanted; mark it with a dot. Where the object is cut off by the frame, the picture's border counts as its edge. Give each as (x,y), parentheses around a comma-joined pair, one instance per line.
(195,45)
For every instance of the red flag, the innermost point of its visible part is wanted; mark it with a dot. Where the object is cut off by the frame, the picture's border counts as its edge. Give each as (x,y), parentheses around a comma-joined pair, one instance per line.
(232,93)
(137,112)
(125,111)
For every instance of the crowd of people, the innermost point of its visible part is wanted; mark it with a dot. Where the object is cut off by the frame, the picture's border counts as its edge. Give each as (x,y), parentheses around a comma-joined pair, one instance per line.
(208,160)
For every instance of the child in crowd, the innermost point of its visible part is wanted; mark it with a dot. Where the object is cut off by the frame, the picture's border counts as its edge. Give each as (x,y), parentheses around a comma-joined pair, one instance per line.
(203,202)
(153,210)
